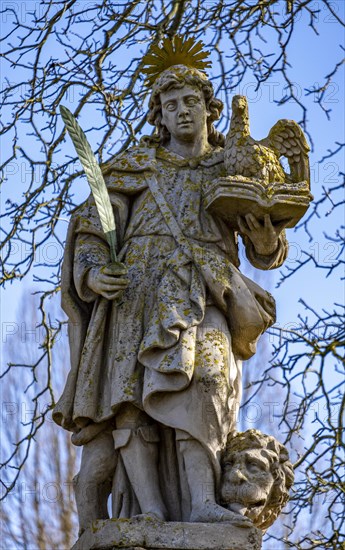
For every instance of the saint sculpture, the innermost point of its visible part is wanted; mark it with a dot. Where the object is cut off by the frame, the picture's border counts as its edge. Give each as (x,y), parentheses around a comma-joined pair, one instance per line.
(158,337)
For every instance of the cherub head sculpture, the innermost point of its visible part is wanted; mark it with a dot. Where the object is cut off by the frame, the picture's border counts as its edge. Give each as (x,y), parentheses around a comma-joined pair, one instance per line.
(176,77)
(256,477)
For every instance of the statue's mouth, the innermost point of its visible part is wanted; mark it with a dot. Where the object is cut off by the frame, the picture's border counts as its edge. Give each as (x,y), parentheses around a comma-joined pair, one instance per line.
(257,504)
(244,507)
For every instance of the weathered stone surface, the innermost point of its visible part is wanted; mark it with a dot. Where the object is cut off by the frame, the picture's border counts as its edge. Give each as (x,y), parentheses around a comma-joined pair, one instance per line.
(245,156)
(233,196)
(146,534)
(158,337)
(257,475)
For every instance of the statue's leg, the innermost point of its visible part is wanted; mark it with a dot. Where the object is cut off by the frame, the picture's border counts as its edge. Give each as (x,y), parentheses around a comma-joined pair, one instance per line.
(201,483)
(137,441)
(213,386)
(92,486)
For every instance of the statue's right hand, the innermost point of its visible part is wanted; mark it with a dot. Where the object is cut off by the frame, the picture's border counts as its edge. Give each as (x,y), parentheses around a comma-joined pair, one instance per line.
(109,281)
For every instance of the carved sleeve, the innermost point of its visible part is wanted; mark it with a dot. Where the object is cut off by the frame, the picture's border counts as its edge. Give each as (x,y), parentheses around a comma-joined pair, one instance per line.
(91,248)
(90,251)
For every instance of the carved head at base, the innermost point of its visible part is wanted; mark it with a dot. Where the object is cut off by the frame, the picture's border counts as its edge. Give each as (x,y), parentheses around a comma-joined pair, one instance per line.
(256,477)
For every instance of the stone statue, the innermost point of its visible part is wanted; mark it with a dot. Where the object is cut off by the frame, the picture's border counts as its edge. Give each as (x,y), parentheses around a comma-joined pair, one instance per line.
(157,340)
(256,476)
(245,156)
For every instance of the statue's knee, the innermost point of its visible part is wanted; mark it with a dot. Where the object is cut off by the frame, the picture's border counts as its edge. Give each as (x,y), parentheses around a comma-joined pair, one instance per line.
(130,417)
(99,459)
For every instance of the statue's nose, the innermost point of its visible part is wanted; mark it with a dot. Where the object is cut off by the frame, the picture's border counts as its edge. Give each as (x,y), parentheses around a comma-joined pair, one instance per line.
(182,109)
(237,475)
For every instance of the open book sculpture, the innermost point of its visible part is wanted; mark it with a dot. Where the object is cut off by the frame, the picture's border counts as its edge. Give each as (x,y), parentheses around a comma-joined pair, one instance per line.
(255,180)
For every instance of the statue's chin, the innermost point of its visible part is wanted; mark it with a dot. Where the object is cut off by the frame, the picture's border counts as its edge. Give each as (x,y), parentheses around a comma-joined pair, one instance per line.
(254,510)
(251,511)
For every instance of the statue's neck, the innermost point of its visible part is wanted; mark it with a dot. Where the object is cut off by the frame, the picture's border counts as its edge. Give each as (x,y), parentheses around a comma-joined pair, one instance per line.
(240,123)
(189,149)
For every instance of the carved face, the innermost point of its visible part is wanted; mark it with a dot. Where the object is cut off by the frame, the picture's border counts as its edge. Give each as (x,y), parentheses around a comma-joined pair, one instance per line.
(246,482)
(184,113)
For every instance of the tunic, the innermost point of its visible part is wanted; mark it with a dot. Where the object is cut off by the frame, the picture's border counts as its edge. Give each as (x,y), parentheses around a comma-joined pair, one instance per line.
(167,347)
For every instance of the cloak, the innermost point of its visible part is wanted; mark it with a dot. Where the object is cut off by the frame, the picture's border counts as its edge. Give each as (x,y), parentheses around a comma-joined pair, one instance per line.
(146,350)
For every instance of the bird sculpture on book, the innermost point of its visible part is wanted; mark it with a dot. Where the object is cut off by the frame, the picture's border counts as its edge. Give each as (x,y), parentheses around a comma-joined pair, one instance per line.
(245,156)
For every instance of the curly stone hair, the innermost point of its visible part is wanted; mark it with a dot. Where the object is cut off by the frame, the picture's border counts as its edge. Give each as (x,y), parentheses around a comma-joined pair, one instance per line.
(178,76)
(280,466)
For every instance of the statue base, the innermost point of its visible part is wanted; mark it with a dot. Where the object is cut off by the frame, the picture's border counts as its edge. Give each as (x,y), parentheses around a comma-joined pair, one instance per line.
(147,534)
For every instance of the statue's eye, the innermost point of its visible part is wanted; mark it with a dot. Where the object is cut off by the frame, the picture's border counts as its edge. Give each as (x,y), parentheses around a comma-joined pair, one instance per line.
(256,466)
(170,106)
(191,101)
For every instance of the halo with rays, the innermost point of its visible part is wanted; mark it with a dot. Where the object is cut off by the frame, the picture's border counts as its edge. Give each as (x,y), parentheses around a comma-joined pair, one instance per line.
(174,52)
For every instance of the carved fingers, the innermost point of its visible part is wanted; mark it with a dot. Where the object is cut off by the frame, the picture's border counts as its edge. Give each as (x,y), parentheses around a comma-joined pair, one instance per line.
(108,281)
(263,235)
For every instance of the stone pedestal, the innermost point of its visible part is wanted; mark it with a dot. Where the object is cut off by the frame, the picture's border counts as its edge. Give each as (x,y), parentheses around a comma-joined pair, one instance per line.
(147,534)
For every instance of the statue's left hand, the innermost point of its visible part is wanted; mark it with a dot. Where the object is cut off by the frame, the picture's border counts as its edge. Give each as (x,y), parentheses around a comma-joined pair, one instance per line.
(264,236)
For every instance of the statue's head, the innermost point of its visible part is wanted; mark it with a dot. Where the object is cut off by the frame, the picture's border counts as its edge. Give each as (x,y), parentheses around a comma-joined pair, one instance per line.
(256,476)
(176,77)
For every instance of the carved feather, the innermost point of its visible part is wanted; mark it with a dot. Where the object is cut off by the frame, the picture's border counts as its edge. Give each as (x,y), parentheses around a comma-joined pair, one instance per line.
(243,155)
(94,178)
(287,138)
(248,157)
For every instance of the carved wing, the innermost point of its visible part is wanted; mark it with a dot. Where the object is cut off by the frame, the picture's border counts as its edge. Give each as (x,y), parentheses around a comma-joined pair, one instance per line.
(287,139)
